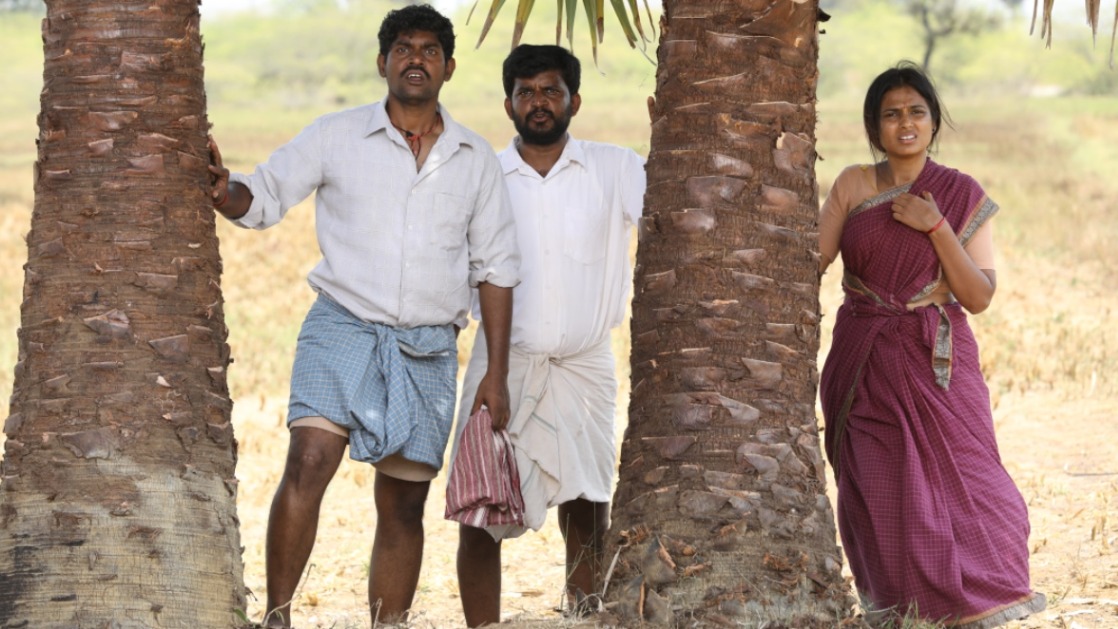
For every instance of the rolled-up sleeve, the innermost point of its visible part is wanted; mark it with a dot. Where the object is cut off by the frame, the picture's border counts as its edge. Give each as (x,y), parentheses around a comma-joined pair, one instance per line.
(289,176)
(494,254)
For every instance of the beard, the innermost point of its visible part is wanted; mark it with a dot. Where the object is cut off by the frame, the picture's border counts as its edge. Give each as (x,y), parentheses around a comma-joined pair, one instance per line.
(545,136)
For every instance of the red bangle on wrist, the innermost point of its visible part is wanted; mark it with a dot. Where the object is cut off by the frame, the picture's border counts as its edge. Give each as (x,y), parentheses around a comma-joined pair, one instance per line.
(223,201)
(942,220)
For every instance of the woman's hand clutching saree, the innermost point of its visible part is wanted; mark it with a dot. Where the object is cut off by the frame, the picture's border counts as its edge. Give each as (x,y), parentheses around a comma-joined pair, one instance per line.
(920,213)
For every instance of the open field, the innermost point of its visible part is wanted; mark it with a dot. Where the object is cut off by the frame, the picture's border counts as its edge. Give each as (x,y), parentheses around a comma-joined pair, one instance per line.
(1049,350)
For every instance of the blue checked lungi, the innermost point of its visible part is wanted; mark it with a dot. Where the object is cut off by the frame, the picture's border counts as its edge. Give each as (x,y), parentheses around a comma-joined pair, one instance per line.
(393,389)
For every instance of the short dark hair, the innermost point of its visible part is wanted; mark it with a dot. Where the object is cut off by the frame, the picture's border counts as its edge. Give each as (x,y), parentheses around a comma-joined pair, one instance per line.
(904,74)
(528,60)
(416,17)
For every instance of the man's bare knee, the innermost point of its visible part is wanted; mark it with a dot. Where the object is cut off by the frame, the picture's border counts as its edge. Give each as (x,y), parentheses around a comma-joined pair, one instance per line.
(312,458)
(400,501)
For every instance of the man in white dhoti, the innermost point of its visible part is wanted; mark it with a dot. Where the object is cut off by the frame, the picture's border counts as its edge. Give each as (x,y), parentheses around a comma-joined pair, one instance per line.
(575,203)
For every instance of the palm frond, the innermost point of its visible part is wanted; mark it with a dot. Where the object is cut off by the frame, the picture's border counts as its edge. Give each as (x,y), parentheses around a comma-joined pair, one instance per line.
(1113,36)
(600,12)
(493,10)
(1093,17)
(623,17)
(591,8)
(523,10)
(637,19)
(1046,21)
(572,10)
(628,17)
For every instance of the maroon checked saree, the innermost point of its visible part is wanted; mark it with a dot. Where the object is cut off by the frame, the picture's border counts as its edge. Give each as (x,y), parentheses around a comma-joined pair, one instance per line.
(931,522)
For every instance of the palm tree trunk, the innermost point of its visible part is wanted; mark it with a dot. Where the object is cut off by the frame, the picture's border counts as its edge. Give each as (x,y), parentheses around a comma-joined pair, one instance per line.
(721,510)
(118,496)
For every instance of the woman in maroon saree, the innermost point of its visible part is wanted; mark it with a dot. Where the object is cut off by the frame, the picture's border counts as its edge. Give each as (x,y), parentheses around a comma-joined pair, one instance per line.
(932,524)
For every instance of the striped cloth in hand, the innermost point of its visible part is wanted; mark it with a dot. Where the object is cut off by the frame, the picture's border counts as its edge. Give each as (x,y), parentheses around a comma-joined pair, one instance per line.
(484,485)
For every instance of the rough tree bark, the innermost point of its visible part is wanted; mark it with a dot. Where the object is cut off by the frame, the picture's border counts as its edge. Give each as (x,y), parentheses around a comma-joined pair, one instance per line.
(720,512)
(118,496)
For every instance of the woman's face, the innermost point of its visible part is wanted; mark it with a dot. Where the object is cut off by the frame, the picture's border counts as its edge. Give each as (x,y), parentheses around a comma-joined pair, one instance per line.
(906,123)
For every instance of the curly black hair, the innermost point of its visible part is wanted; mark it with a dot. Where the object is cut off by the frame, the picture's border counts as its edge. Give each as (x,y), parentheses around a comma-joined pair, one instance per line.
(528,60)
(416,17)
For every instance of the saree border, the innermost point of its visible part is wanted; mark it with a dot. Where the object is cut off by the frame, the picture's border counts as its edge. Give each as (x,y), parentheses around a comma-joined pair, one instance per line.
(927,290)
(855,284)
(878,199)
(840,421)
(984,211)
(1031,603)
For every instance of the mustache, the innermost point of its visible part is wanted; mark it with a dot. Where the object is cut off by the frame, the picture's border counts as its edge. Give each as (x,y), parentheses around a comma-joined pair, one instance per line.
(541,110)
(415,69)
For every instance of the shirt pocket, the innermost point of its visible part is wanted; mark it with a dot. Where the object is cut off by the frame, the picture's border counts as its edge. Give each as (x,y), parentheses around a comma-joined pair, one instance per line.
(586,234)
(450,219)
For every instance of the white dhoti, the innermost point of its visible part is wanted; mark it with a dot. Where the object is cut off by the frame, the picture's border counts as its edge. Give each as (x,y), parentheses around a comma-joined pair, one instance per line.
(562,431)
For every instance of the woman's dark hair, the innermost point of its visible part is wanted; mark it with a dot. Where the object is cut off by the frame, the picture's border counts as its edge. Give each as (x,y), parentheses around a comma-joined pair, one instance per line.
(416,17)
(528,60)
(904,74)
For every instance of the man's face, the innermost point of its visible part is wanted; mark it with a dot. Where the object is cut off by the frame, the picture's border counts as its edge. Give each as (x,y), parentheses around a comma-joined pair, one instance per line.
(541,108)
(415,67)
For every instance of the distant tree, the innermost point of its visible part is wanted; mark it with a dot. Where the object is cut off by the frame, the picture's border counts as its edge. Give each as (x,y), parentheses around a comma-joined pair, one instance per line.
(943,19)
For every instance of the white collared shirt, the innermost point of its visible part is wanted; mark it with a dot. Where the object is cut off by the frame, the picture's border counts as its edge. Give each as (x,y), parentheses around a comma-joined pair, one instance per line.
(574,227)
(399,247)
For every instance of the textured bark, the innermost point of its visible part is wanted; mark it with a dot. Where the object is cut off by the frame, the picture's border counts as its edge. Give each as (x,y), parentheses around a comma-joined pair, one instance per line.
(118,496)
(721,512)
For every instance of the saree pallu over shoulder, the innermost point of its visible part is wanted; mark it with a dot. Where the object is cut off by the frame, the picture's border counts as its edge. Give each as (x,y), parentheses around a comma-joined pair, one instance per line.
(901,264)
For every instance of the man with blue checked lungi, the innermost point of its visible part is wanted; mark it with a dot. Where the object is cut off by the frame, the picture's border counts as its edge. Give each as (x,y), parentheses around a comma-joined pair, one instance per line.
(575,204)
(411,212)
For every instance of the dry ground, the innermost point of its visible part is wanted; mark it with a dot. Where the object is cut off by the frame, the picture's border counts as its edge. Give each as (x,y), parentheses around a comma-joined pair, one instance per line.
(1058,445)
(1061,452)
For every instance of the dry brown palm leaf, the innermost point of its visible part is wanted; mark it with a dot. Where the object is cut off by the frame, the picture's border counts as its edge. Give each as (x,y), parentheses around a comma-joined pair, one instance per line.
(1092,8)
(1093,17)
(1046,22)
(1113,35)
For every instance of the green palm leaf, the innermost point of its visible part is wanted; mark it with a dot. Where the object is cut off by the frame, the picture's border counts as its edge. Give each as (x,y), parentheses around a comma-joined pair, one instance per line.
(628,17)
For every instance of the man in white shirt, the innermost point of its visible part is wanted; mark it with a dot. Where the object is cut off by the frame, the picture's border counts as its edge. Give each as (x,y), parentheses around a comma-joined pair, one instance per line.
(410,212)
(575,203)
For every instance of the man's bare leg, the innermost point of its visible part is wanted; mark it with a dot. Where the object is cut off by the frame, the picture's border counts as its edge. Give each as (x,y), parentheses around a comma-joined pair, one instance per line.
(397,547)
(479,576)
(584,526)
(313,456)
